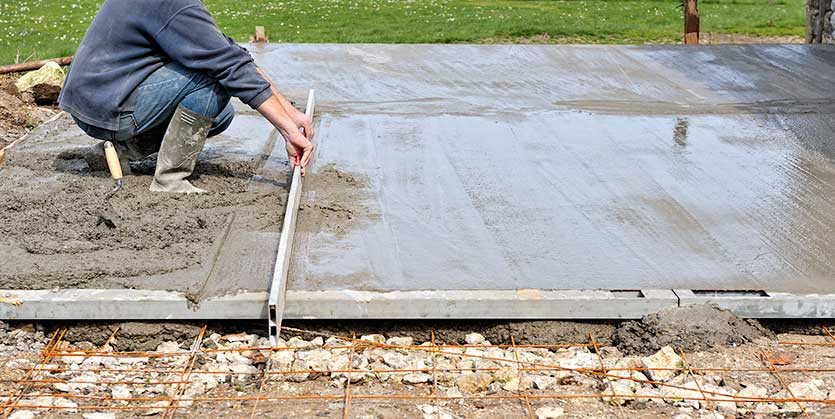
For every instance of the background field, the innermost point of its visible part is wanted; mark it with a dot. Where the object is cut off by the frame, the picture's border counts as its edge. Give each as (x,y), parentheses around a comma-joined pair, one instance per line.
(48,28)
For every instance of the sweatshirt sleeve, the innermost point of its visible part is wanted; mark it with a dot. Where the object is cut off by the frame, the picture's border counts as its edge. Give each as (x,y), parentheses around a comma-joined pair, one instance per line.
(192,39)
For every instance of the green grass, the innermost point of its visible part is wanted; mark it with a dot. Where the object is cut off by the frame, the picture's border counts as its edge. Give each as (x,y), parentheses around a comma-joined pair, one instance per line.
(34,29)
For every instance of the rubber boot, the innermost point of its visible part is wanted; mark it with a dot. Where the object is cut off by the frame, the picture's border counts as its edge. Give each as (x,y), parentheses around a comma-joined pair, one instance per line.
(178,153)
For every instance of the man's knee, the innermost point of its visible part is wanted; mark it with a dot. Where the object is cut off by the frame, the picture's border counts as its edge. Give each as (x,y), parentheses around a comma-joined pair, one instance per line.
(210,100)
(222,120)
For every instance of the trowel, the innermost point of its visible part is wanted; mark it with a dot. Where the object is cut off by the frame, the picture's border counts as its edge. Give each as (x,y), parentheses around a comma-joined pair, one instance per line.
(109,216)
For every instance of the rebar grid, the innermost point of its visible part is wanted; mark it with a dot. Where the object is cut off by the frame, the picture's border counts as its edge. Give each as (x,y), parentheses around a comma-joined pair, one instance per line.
(696,381)
(608,380)
(32,387)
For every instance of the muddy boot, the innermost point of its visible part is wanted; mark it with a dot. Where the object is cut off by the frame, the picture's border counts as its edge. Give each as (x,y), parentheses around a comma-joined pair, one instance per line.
(178,153)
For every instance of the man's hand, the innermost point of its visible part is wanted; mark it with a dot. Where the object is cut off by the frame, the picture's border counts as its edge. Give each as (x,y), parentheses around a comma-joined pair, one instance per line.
(299,146)
(302,121)
(299,150)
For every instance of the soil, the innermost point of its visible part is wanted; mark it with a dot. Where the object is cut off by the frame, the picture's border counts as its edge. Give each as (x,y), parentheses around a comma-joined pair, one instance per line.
(133,336)
(145,336)
(698,327)
(52,201)
(454,331)
(695,327)
(18,115)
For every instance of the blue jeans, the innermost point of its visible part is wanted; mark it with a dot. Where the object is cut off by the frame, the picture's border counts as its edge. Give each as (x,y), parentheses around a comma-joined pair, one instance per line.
(156,100)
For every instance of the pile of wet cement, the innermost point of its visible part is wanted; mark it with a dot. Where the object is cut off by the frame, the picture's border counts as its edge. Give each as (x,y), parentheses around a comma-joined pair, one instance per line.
(692,328)
(50,202)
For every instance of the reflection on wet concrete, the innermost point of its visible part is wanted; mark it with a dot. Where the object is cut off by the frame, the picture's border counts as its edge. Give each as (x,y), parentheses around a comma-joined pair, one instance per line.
(553,167)
(680,132)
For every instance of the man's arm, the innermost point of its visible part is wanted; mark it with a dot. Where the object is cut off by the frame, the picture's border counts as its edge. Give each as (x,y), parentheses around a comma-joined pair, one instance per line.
(193,39)
(299,118)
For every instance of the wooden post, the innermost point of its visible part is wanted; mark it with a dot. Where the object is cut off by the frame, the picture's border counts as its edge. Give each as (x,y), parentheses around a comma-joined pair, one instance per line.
(260,36)
(691,22)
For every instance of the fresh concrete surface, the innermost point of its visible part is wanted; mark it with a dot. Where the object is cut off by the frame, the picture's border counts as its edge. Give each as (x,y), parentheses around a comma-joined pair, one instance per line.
(572,167)
(491,168)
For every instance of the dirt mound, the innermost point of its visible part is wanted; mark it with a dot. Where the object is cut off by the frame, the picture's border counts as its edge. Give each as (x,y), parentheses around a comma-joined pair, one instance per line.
(17,116)
(692,328)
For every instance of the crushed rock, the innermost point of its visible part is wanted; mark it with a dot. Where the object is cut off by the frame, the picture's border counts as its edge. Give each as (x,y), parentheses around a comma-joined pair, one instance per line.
(549,412)
(314,357)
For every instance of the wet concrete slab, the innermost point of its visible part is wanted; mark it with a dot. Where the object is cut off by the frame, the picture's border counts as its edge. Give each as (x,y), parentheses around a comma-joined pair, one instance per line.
(464,181)
(569,167)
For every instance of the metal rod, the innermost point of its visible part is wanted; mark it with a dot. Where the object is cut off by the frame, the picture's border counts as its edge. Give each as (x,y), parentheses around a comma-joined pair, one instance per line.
(278,288)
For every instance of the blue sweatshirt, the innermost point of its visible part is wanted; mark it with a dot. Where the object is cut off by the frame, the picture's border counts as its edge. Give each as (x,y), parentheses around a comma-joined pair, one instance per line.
(130,39)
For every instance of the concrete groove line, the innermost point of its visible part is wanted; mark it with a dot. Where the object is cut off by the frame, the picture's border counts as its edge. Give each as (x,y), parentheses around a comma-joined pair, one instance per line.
(678,298)
(263,157)
(195,298)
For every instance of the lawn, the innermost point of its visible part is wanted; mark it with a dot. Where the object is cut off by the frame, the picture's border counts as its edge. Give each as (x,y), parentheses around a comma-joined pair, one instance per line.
(48,28)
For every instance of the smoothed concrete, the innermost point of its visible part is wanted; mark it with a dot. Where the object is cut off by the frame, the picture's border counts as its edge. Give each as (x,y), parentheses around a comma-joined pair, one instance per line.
(572,167)
(492,168)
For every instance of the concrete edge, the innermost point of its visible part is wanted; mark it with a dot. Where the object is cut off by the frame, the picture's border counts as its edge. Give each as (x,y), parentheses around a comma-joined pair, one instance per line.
(764,304)
(100,304)
(482,304)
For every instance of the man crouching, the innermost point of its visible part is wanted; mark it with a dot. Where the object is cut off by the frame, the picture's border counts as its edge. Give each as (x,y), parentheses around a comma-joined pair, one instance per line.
(157,75)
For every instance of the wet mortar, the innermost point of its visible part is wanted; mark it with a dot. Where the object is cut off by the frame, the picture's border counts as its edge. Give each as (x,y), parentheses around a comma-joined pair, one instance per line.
(51,235)
(334,202)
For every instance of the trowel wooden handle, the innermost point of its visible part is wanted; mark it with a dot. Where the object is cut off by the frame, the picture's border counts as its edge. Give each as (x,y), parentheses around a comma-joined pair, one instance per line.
(112,161)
